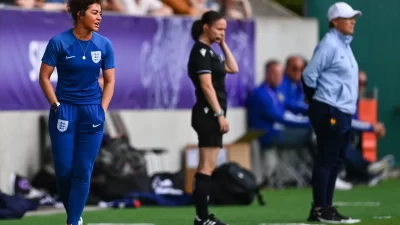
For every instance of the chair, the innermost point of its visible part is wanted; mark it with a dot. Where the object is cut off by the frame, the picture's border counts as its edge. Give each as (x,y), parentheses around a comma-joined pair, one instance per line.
(293,165)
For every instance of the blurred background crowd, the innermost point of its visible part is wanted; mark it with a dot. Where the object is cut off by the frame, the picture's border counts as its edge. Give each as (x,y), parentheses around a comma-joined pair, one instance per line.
(235,9)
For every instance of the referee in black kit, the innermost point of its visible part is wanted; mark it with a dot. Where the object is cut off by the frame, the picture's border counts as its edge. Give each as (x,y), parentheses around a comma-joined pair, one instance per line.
(207,71)
(331,87)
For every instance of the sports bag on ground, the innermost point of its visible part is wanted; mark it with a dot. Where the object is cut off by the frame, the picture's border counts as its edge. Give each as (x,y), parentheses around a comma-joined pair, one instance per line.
(234,185)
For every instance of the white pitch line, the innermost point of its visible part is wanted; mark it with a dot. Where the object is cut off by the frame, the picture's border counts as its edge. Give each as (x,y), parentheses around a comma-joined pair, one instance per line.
(382,217)
(357,204)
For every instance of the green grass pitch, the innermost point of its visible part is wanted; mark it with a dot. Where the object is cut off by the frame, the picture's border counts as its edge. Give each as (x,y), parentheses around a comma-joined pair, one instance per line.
(378,205)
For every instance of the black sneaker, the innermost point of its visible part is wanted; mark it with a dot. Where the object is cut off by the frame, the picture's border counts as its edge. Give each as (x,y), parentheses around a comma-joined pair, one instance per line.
(332,216)
(345,218)
(211,220)
(314,214)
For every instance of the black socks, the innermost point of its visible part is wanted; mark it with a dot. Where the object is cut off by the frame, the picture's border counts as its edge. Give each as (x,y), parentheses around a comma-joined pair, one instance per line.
(200,194)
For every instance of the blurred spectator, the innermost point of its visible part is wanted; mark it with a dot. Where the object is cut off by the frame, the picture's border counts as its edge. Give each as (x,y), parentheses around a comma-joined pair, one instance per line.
(27,4)
(200,5)
(51,5)
(212,4)
(292,86)
(358,170)
(146,7)
(113,5)
(7,2)
(130,7)
(235,9)
(362,82)
(267,109)
(48,5)
(193,8)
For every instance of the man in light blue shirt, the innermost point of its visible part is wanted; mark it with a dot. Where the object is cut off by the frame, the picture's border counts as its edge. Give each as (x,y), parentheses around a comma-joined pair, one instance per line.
(331,87)
(332,72)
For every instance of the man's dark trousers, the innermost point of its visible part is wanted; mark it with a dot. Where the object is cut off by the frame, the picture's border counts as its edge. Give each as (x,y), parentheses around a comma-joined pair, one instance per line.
(332,128)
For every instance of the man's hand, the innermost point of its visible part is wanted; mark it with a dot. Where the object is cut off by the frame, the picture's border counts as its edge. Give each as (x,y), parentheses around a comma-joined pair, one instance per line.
(379,129)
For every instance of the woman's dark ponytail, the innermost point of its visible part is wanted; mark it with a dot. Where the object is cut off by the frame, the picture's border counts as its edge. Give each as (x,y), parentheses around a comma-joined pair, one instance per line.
(197,29)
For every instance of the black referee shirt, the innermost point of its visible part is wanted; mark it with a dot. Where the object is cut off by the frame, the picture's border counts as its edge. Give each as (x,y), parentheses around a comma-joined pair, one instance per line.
(203,60)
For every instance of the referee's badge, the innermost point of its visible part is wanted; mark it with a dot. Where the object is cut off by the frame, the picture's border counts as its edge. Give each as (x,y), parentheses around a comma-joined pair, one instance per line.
(96,56)
(203,52)
(206,109)
(62,125)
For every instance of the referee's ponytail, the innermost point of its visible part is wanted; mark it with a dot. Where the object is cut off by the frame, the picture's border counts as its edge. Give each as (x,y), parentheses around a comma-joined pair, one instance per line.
(197,29)
(208,18)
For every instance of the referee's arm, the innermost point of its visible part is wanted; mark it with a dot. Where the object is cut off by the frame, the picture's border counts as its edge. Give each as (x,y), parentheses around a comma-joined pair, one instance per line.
(209,92)
(323,55)
(202,65)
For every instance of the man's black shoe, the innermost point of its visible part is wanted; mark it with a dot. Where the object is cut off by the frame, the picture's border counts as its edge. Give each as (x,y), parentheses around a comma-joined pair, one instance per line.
(334,208)
(332,216)
(314,214)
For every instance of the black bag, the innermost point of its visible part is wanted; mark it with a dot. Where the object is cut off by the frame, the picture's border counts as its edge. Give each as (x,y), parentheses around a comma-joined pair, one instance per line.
(234,185)
(117,158)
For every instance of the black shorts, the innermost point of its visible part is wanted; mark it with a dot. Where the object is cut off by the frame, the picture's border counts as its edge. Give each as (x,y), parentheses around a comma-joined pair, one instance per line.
(207,127)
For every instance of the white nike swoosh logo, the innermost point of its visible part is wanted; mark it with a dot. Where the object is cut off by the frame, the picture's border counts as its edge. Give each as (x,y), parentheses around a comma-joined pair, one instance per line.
(69,57)
(96,125)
